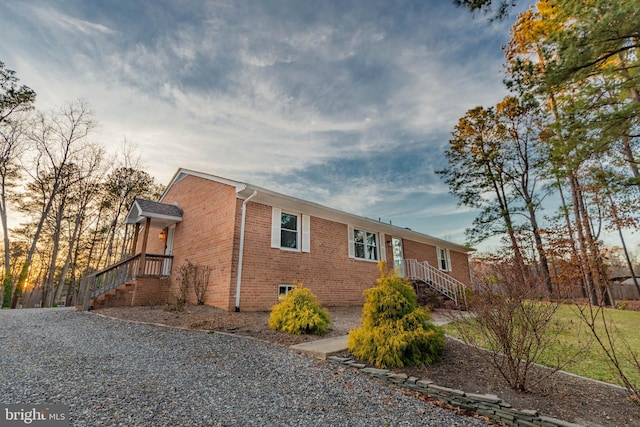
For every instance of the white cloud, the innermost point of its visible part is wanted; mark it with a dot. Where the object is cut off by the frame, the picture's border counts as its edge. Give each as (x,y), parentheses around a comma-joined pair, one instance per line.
(53,17)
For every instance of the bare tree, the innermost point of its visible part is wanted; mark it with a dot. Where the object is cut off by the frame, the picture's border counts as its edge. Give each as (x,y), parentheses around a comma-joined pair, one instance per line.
(14,99)
(12,147)
(624,359)
(511,323)
(85,191)
(60,139)
(126,181)
(72,200)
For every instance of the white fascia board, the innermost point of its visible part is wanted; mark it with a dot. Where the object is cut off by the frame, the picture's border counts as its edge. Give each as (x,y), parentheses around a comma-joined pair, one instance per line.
(182,172)
(161,216)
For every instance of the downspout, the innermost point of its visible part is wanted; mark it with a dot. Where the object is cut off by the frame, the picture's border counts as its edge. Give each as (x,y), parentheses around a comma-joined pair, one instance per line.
(241,251)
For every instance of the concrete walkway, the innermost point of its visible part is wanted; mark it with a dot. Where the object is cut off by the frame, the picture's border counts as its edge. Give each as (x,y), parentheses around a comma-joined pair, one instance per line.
(320,349)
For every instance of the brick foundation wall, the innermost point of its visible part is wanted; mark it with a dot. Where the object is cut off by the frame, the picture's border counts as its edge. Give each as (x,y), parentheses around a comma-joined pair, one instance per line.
(150,291)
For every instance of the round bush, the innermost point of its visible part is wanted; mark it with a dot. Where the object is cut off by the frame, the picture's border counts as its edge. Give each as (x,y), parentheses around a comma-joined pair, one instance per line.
(299,313)
(395,331)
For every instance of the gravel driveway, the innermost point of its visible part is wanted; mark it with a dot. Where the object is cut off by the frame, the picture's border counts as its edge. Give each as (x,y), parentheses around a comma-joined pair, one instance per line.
(112,372)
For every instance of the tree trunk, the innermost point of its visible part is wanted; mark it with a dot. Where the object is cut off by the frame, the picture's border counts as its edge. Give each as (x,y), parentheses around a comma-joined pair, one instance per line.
(574,250)
(582,243)
(7,281)
(542,254)
(67,263)
(50,283)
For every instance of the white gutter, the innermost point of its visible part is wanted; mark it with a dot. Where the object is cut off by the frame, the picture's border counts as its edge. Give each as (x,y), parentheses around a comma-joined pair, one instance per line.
(241,251)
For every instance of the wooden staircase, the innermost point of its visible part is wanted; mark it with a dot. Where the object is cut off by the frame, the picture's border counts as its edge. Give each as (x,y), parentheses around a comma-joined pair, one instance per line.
(441,282)
(117,284)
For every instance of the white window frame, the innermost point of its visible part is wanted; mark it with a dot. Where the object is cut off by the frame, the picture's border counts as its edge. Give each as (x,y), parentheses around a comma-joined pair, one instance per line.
(352,244)
(286,288)
(444,257)
(303,242)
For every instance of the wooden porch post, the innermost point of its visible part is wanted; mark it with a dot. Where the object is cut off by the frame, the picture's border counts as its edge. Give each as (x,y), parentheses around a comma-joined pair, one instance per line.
(134,243)
(143,250)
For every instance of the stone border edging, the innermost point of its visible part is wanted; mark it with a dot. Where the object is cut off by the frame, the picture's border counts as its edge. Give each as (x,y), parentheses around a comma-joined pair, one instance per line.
(488,405)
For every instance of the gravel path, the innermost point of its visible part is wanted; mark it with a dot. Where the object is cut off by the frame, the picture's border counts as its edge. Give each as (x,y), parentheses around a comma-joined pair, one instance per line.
(116,373)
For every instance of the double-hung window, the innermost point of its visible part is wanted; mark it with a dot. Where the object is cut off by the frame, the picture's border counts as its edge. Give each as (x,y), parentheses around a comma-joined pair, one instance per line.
(444,259)
(363,244)
(290,231)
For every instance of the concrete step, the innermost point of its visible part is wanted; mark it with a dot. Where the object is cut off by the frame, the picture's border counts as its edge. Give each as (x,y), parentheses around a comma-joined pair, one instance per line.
(320,349)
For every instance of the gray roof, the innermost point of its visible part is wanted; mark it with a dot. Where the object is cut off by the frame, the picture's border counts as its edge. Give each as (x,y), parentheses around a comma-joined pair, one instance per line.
(150,207)
(161,214)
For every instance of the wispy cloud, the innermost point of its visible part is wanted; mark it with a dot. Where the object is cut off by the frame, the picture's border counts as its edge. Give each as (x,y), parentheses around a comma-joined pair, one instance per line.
(50,16)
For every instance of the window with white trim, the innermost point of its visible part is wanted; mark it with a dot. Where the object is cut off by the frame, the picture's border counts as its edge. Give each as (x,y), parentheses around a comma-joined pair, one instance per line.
(444,259)
(290,231)
(363,244)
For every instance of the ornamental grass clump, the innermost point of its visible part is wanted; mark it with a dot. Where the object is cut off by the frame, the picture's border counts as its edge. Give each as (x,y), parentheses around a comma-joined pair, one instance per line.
(395,330)
(299,313)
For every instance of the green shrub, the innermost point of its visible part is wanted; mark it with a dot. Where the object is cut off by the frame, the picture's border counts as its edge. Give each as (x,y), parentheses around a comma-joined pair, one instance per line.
(395,330)
(299,313)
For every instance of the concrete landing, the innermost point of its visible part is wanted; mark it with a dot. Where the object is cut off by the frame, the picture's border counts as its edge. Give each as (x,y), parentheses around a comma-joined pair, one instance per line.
(320,349)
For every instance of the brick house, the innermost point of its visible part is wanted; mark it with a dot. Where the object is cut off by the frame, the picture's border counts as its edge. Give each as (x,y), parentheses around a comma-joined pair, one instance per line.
(259,243)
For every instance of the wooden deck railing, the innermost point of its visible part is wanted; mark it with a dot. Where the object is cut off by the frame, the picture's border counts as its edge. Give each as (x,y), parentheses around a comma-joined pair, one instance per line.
(101,282)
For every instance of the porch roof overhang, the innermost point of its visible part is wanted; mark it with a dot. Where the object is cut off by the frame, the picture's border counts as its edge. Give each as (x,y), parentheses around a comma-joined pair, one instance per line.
(161,215)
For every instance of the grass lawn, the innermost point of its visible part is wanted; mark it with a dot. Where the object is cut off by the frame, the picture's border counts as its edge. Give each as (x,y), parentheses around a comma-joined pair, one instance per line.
(576,337)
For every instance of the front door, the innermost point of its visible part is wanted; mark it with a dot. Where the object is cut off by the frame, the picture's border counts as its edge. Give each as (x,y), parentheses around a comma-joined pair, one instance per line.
(168,250)
(398,256)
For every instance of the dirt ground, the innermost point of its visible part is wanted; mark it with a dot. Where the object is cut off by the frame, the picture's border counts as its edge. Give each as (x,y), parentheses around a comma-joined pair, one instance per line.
(562,396)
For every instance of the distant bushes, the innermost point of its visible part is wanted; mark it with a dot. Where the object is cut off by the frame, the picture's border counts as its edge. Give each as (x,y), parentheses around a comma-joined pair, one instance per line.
(395,330)
(299,313)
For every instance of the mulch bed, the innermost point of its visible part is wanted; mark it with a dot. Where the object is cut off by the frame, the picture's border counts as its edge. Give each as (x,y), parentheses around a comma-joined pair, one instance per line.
(558,395)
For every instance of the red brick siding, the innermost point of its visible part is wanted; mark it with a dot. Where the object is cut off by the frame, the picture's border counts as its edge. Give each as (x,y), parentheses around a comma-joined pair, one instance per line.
(210,235)
(327,270)
(206,234)
(424,252)
(150,291)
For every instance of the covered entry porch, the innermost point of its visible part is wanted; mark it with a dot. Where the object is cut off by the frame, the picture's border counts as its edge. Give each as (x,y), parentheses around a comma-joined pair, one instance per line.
(141,279)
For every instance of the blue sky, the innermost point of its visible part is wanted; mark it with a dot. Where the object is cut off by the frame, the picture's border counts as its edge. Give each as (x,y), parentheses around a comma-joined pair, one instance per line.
(345,103)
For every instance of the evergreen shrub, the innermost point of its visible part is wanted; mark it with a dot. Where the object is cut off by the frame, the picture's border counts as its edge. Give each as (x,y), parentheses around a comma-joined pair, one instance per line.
(299,313)
(395,330)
